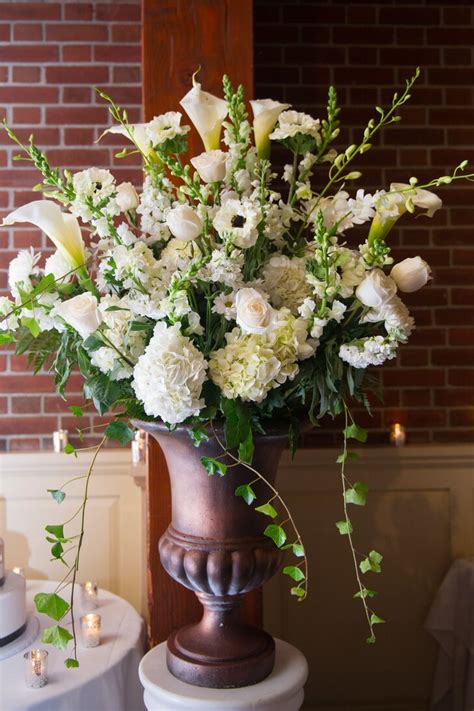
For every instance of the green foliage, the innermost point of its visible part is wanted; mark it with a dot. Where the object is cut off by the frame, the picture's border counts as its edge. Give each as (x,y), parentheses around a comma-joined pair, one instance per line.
(120,431)
(294,572)
(267,509)
(344,527)
(71,663)
(246,492)
(357,494)
(299,592)
(371,563)
(76,410)
(52,605)
(213,466)
(356,432)
(70,449)
(57,636)
(276,533)
(365,592)
(57,494)
(198,435)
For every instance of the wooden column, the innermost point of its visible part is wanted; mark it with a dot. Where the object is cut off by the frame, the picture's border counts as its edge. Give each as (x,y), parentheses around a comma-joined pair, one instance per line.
(178,37)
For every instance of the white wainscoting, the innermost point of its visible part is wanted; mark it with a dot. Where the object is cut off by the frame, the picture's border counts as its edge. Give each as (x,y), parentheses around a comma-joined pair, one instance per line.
(113,551)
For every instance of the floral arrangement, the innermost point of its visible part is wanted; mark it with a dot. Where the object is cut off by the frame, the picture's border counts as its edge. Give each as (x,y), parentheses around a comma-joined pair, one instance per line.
(212,295)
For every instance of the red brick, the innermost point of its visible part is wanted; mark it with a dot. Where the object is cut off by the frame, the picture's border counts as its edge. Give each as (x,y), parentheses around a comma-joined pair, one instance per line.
(79,158)
(132,33)
(78,11)
(35,95)
(29,53)
(25,404)
(461,336)
(28,425)
(364,35)
(79,136)
(118,12)
(462,377)
(462,417)
(120,53)
(400,15)
(127,75)
(416,398)
(454,397)
(26,75)
(77,53)
(76,116)
(27,32)
(24,444)
(30,115)
(36,11)
(417,56)
(77,95)
(76,33)
(77,75)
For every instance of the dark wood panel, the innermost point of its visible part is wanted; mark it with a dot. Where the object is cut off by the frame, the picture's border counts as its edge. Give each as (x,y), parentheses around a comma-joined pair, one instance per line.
(178,37)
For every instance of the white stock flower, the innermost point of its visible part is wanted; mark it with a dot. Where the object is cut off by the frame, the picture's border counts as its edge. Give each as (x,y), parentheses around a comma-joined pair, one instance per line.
(81,313)
(184,223)
(211,165)
(225,268)
(168,377)
(285,281)
(207,113)
(7,323)
(337,311)
(238,220)
(411,274)
(254,313)
(370,351)
(21,269)
(291,123)
(265,116)
(62,228)
(58,267)
(376,289)
(126,198)
(134,265)
(165,127)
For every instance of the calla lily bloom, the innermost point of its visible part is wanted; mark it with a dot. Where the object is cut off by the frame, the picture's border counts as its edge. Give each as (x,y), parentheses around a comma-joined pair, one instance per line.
(265,116)
(140,136)
(62,228)
(207,112)
(394,204)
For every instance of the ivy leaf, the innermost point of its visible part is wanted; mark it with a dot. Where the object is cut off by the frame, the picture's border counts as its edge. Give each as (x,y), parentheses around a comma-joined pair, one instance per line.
(213,466)
(376,620)
(344,527)
(32,325)
(57,636)
(246,448)
(56,531)
(57,550)
(6,338)
(70,449)
(352,456)
(267,510)
(76,410)
(237,422)
(371,639)
(57,494)
(93,343)
(246,492)
(294,572)
(299,592)
(51,604)
(198,435)
(356,432)
(71,663)
(357,494)
(119,430)
(276,533)
(371,563)
(365,592)
(298,550)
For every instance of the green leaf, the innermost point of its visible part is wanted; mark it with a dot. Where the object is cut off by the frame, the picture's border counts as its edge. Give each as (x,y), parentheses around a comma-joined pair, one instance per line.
(93,343)
(344,527)
(32,325)
(51,604)
(119,430)
(246,448)
(376,620)
(299,592)
(267,510)
(357,494)
(355,432)
(371,639)
(246,492)
(365,592)
(237,422)
(57,550)
(57,494)
(352,456)
(371,563)
(294,572)
(76,410)
(141,325)
(276,533)
(57,636)
(71,663)
(298,550)
(213,466)
(6,338)
(70,449)
(198,435)
(56,531)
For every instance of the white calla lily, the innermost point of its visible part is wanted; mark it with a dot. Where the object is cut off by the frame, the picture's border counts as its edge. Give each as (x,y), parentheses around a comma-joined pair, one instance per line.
(140,136)
(265,116)
(207,112)
(62,228)
(419,197)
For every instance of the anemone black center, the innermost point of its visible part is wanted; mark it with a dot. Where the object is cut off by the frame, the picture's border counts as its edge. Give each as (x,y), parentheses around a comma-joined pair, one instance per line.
(238,221)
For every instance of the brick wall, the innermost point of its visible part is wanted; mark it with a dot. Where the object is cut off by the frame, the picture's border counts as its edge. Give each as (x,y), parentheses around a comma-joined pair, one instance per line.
(365,50)
(52,53)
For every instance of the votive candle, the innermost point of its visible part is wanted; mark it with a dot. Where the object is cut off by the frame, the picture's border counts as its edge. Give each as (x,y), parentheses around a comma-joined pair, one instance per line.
(36,668)
(60,440)
(90,595)
(398,435)
(90,628)
(18,570)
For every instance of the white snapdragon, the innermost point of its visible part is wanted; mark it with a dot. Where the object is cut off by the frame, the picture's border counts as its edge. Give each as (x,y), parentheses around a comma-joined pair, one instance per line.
(337,311)
(22,269)
(411,274)
(169,376)
(285,281)
(238,220)
(292,123)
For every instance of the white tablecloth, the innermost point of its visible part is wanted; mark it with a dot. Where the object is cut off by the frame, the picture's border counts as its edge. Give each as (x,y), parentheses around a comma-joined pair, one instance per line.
(107,679)
(451,622)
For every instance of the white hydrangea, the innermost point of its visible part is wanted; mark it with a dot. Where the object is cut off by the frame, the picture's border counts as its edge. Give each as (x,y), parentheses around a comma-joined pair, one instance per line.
(285,281)
(169,376)
(290,123)
(58,267)
(165,127)
(237,220)
(369,351)
(6,307)
(21,269)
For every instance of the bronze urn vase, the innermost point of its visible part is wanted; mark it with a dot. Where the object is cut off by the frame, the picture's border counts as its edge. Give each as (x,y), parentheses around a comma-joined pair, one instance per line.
(215,546)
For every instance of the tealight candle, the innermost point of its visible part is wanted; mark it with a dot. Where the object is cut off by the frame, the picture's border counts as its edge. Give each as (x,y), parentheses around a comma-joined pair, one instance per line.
(36,668)
(138,447)
(60,440)
(18,571)
(90,595)
(90,627)
(398,435)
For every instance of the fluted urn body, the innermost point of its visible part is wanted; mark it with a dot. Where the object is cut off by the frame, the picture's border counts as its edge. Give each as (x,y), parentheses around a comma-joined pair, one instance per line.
(215,546)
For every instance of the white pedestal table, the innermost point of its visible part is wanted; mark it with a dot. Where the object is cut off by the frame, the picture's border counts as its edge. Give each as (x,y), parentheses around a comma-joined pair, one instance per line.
(107,679)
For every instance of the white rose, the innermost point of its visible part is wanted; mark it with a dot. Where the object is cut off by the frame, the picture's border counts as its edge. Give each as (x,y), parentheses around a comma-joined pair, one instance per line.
(411,274)
(210,165)
(184,223)
(376,289)
(126,198)
(81,313)
(254,313)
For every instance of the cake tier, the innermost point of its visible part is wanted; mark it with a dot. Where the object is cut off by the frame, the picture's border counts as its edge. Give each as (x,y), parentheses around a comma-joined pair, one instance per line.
(12,607)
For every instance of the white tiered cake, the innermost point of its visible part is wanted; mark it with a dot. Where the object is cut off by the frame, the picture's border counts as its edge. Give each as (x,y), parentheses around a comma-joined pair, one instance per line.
(12,602)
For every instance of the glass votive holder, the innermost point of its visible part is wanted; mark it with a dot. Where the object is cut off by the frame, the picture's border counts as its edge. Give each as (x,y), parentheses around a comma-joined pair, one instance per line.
(18,571)
(60,440)
(398,435)
(36,668)
(90,595)
(90,630)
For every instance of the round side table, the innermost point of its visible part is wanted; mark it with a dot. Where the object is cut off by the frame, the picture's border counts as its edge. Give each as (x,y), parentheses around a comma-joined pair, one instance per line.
(281,691)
